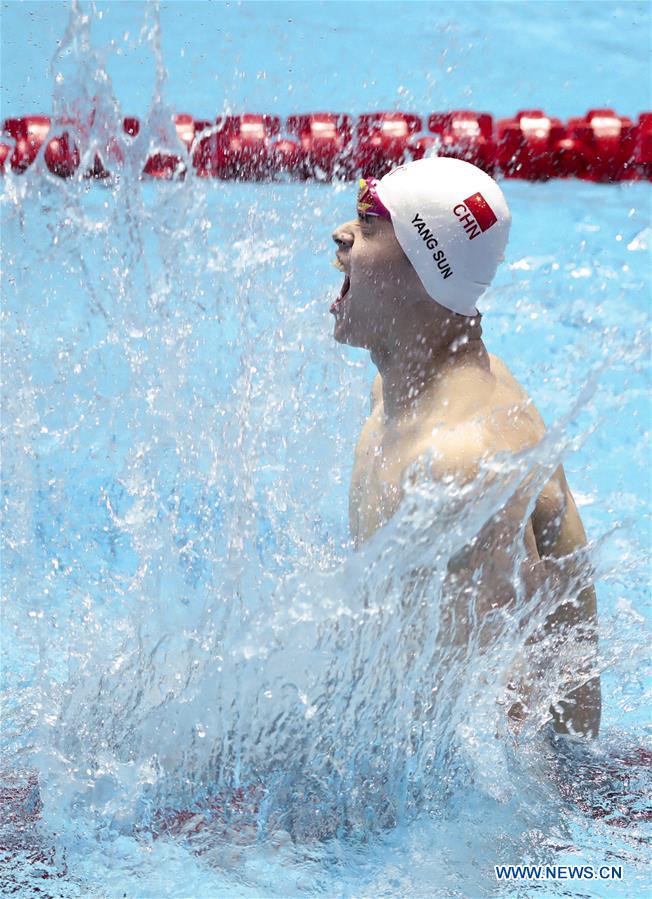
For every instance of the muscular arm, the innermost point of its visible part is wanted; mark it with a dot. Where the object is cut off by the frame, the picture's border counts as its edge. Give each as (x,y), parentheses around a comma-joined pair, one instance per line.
(554,531)
(559,533)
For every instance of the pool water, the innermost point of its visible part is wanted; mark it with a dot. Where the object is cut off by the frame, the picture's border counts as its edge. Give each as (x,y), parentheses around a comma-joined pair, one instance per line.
(207,692)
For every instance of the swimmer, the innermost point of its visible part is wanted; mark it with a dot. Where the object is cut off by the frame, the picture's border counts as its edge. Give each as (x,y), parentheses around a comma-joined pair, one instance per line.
(425,245)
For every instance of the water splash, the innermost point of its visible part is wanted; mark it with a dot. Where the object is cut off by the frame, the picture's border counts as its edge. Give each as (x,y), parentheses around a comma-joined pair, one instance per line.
(198,654)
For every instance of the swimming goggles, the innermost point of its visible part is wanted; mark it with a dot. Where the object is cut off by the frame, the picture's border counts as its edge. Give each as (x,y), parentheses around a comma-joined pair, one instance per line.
(369,203)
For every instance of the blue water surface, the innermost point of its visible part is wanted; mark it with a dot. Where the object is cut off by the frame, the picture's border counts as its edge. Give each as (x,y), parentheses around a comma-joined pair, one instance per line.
(351,57)
(206,691)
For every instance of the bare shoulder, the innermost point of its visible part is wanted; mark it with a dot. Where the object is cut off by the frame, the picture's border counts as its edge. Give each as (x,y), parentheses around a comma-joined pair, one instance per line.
(489,413)
(507,387)
(555,519)
(457,452)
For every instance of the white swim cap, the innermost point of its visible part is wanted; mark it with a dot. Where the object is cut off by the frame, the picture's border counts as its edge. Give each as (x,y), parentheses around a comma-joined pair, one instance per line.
(452,221)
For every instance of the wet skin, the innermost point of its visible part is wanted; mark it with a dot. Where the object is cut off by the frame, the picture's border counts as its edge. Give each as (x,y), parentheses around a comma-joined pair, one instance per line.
(439,392)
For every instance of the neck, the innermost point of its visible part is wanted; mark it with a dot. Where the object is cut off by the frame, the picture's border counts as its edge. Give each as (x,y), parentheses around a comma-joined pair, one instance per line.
(415,364)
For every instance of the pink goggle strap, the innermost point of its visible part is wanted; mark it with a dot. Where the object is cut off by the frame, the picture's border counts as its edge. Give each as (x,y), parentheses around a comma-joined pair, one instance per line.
(369,202)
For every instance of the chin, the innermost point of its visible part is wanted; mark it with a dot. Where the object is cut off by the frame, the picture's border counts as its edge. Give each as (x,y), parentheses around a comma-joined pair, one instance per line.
(342,334)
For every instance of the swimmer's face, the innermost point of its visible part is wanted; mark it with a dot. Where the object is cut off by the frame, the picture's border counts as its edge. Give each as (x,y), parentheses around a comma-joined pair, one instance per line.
(378,284)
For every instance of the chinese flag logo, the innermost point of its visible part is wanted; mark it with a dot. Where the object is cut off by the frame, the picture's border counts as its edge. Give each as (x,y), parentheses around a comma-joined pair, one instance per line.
(481,211)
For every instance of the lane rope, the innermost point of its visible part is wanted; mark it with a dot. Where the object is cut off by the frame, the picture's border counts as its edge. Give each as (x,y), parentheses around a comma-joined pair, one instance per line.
(600,146)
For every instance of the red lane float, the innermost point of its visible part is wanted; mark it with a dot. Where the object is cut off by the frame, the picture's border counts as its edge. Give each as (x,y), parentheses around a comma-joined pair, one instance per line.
(600,146)
(28,134)
(608,145)
(5,150)
(325,145)
(244,147)
(643,155)
(62,155)
(383,141)
(167,165)
(239,147)
(462,134)
(526,146)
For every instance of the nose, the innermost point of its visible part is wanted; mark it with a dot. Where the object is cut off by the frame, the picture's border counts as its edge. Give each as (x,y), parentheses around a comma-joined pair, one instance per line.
(343,237)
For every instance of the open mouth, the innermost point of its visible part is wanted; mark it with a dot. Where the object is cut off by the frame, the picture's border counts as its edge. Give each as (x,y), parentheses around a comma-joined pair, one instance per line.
(335,307)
